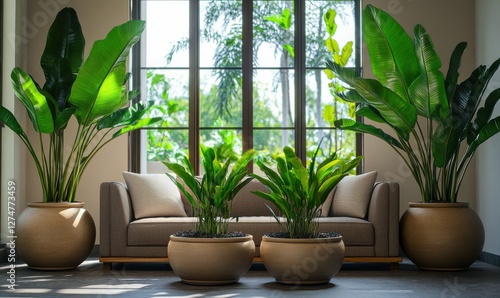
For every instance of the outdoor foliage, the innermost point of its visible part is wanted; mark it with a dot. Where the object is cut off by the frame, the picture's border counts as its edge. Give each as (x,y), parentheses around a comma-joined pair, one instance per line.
(273,99)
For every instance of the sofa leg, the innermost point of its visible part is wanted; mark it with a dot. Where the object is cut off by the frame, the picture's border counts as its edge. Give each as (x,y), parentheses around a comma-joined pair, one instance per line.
(106,266)
(394,266)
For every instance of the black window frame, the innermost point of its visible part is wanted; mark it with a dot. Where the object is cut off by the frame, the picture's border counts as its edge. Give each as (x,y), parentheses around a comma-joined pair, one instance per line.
(247,67)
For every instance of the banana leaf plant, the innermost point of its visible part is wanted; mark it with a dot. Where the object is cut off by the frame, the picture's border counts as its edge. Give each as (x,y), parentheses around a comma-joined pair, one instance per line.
(437,123)
(211,195)
(299,192)
(93,91)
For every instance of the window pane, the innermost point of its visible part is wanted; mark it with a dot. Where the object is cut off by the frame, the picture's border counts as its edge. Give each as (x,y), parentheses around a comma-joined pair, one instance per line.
(166,144)
(316,34)
(341,141)
(220,32)
(224,141)
(274,104)
(220,98)
(169,90)
(159,38)
(268,142)
(273,33)
(322,107)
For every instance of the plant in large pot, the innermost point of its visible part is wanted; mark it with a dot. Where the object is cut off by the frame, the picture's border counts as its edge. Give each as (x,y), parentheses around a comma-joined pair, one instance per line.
(210,254)
(437,125)
(59,233)
(299,254)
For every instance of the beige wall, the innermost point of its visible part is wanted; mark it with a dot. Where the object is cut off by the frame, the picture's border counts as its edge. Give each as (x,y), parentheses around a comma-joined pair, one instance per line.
(448,23)
(96,18)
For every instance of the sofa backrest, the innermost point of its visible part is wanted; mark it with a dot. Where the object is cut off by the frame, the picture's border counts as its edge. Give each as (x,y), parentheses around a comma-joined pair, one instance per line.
(248,204)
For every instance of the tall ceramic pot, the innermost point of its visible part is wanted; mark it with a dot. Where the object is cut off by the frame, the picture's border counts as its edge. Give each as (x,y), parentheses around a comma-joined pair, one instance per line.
(55,236)
(441,236)
(210,261)
(302,260)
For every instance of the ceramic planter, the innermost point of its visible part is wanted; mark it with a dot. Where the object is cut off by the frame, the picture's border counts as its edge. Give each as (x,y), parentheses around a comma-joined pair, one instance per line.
(54,236)
(302,261)
(210,261)
(441,236)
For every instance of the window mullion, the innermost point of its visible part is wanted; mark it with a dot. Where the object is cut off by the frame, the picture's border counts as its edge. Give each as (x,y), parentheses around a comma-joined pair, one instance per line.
(300,79)
(247,79)
(194,84)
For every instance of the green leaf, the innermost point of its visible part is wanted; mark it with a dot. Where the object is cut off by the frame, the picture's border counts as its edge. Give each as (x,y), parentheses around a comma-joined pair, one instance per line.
(125,116)
(490,129)
(329,21)
(398,113)
(346,53)
(349,124)
(33,100)
(64,40)
(483,114)
(392,55)
(453,67)
(428,90)
(145,122)
(445,141)
(97,90)
(7,118)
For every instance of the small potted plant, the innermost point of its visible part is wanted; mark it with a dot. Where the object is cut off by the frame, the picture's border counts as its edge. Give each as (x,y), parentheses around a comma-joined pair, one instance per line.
(211,254)
(437,124)
(298,193)
(58,233)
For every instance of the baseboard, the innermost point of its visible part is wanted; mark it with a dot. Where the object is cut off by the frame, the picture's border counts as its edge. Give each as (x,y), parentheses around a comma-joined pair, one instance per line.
(490,258)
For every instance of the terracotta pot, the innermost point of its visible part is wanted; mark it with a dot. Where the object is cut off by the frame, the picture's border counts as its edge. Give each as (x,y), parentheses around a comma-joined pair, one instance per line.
(54,236)
(441,236)
(210,261)
(302,261)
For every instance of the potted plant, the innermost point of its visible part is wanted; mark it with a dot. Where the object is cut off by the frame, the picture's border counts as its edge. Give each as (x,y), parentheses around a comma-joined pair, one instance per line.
(58,233)
(437,125)
(210,254)
(298,193)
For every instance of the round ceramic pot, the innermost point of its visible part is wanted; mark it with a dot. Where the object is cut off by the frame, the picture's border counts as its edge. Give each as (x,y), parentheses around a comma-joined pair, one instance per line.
(441,236)
(210,261)
(302,261)
(54,236)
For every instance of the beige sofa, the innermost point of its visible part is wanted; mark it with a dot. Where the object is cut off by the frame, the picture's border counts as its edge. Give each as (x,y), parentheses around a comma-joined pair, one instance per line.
(369,229)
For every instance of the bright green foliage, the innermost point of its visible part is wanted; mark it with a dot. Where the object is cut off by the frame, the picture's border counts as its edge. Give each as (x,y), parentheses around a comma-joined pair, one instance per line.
(211,195)
(94,92)
(299,192)
(431,115)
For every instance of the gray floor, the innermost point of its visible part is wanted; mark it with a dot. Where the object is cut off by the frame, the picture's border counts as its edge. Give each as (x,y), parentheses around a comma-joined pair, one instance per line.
(158,280)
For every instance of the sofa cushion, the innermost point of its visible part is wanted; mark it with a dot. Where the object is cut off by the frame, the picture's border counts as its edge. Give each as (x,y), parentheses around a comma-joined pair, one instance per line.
(157,230)
(245,203)
(153,195)
(353,194)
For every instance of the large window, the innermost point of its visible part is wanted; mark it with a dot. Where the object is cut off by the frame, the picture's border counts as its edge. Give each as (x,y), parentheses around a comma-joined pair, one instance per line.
(240,74)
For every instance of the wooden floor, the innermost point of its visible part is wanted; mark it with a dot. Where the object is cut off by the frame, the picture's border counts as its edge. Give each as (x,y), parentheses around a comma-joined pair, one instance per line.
(108,261)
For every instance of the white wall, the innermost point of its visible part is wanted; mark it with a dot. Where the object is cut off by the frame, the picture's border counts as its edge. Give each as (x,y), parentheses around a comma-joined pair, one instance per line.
(488,159)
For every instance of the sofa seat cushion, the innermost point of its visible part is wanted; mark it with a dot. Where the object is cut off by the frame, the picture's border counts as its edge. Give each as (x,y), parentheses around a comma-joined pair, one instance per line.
(354,231)
(155,231)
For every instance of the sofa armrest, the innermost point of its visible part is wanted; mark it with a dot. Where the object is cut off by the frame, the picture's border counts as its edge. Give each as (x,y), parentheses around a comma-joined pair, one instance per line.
(383,213)
(115,215)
